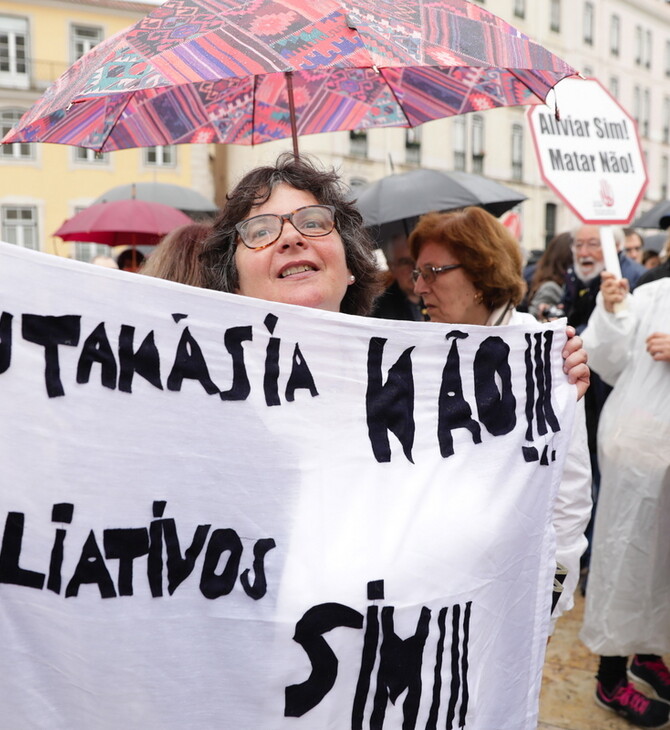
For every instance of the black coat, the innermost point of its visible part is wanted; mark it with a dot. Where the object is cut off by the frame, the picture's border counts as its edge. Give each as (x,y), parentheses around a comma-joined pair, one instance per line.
(393,304)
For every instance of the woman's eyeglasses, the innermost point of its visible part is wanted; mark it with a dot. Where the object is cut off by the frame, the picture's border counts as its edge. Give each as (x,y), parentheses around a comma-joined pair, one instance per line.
(429,273)
(262,230)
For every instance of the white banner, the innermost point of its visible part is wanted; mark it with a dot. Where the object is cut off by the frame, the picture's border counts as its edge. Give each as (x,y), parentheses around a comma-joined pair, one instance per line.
(220,512)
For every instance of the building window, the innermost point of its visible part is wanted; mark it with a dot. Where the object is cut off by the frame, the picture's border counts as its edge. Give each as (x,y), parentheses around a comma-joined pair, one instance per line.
(588,23)
(645,112)
(517,152)
(666,119)
(637,104)
(520,8)
(413,145)
(19,225)
(615,35)
(19,150)
(614,86)
(550,210)
(638,45)
(555,16)
(478,144)
(646,52)
(88,251)
(460,132)
(664,177)
(358,143)
(14,52)
(667,58)
(588,72)
(82,39)
(161,156)
(87,156)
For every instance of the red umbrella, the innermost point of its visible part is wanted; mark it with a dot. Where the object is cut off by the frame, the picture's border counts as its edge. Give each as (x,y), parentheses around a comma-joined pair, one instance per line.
(237,72)
(123,222)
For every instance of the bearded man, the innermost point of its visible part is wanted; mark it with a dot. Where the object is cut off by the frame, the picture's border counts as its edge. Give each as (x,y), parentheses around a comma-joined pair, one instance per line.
(583,278)
(579,300)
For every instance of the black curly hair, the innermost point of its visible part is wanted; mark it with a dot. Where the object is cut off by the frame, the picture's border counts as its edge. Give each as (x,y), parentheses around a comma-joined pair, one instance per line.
(255,188)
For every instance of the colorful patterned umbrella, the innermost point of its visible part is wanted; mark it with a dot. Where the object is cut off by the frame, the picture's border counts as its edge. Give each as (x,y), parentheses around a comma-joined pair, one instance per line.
(245,72)
(123,222)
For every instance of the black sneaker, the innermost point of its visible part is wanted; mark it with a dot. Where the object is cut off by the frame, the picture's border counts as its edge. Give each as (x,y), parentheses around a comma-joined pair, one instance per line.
(654,676)
(634,706)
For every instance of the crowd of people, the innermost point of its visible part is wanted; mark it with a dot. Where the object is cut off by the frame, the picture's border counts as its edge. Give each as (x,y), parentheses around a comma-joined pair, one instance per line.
(289,233)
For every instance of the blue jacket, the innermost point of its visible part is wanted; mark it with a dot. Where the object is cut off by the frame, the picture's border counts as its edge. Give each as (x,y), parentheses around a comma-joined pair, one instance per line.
(579,301)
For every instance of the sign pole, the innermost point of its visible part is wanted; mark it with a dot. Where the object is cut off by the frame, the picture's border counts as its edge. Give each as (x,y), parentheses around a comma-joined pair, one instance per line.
(610,254)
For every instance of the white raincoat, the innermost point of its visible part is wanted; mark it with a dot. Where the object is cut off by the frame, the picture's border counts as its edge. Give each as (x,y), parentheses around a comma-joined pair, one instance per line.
(628,594)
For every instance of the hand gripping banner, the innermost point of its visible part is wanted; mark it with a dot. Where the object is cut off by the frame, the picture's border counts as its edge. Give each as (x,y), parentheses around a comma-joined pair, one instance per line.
(221,512)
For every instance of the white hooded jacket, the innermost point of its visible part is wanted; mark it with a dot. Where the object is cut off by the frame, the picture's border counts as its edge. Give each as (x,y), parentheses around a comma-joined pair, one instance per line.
(628,596)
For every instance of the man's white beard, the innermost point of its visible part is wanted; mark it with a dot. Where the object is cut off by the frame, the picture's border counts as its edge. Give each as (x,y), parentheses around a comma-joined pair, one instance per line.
(598,268)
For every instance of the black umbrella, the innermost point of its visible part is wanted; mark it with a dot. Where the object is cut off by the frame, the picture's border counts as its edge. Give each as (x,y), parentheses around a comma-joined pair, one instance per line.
(187,200)
(655,242)
(656,217)
(411,194)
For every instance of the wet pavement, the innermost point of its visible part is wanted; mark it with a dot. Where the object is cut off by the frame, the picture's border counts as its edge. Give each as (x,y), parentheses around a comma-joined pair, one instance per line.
(568,684)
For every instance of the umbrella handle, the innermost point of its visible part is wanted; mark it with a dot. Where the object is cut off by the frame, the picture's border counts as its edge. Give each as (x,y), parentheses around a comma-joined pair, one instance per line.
(291,111)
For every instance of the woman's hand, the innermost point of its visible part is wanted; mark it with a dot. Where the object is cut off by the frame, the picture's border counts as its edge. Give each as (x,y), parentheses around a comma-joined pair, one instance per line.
(614,290)
(574,362)
(658,346)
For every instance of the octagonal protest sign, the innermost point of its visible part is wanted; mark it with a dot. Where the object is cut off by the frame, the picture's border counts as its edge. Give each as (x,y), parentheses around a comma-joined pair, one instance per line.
(589,153)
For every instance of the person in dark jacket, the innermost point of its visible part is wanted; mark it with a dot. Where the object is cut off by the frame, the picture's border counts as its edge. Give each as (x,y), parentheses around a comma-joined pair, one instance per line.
(398,300)
(130,259)
(660,271)
(582,285)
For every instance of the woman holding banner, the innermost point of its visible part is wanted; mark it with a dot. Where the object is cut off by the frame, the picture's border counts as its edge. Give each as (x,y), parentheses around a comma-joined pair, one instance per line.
(469,272)
(324,259)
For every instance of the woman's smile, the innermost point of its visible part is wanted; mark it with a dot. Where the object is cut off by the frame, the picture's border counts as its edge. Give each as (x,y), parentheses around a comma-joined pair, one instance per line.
(296,268)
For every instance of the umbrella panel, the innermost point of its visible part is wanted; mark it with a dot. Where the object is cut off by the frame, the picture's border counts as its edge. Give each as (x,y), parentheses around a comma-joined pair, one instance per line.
(113,239)
(656,242)
(185,199)
(244,112)
(656,217)
(411,194)
(127,222)
(216,73)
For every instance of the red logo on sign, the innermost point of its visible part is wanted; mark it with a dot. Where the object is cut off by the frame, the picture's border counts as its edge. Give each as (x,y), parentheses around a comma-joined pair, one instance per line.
(606,193)
(512,221)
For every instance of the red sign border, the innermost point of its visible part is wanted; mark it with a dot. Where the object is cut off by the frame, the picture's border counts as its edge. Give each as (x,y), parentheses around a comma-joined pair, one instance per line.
(591,221)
